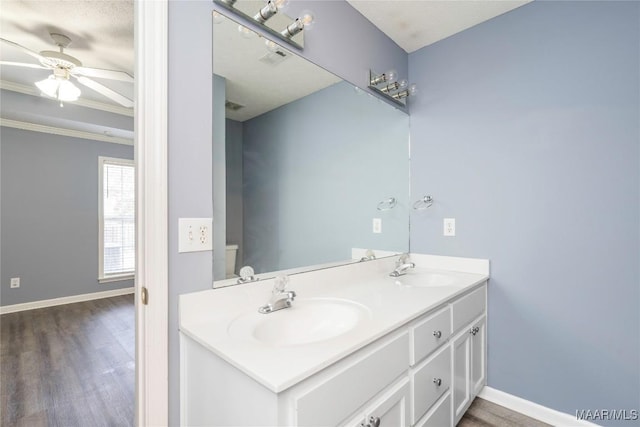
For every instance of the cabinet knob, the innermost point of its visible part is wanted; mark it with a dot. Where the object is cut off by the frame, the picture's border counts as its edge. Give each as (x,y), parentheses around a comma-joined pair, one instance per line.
(437,334)
(374,421)
(474,330)
(437,381)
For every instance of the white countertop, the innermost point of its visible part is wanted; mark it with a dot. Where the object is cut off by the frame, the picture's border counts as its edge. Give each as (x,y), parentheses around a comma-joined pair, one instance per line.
(391,302)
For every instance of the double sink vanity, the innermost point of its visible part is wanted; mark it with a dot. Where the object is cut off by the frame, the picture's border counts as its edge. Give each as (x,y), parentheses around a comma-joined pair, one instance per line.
(342,346)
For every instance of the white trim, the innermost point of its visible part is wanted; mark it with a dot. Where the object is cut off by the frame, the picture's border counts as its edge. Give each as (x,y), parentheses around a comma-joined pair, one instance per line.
(34,127)
(117,278)
(151,135)
(64,300)
(88,103)
(531,409)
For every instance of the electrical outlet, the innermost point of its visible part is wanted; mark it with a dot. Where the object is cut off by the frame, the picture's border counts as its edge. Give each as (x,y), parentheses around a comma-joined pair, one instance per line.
(195,234)
(449,227)
(377,225)
(15,282)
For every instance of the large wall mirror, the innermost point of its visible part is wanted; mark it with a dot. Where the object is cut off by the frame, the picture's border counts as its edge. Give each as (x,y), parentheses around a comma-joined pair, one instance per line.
(309,161)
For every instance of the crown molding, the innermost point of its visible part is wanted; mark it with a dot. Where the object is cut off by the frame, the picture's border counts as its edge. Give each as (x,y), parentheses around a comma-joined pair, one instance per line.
(88,103)
(16,124)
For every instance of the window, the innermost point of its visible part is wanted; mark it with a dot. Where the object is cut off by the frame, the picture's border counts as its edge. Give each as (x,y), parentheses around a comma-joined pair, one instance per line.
(117,238)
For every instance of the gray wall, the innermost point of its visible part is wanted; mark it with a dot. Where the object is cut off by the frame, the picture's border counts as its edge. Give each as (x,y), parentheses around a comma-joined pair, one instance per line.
(234,166)
(50,214)
(314,172)
(342,41)
(527,132)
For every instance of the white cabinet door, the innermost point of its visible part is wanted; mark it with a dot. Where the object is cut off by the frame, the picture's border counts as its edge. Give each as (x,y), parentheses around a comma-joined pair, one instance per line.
(469,366)
(461,390)
(478,362)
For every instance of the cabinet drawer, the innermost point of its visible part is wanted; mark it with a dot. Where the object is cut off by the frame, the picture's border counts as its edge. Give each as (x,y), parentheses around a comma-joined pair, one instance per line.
(333,400)
(428,334)
(440,415)
(468,307)
(431,381)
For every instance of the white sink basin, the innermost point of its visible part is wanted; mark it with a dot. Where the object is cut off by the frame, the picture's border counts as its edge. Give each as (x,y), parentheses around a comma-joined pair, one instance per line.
(426,279)
(306,321)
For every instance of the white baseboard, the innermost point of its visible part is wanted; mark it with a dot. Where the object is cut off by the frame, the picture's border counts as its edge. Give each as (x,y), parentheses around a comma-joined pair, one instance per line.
(530,409)
(64,300)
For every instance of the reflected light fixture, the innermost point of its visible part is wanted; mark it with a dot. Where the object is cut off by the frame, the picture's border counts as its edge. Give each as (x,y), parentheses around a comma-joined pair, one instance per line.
(303,22)
(58,86)
(246,32)
(392,87)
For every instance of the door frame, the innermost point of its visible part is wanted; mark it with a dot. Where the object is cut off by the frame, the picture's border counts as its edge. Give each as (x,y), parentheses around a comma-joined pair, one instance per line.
(151,135)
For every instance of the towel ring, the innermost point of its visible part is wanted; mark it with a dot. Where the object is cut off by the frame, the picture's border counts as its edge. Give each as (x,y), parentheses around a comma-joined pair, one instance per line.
(388,204)
(424,203)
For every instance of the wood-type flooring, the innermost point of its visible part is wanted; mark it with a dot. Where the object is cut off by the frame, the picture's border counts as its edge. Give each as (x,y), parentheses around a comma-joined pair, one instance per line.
(69,365)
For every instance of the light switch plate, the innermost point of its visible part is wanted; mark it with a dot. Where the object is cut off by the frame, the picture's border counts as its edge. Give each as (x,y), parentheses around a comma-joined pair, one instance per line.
(377,225)
(195,234)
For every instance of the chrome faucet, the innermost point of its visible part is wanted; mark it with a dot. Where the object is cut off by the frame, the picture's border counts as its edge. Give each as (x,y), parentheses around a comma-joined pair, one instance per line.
(280,297)
(402,265)
(368,256)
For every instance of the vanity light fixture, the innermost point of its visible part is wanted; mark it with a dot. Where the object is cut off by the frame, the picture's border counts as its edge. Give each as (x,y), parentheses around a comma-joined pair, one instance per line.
(387,85)
(386,77)
(303,22)
(411,90)
(271,8)
(249,19)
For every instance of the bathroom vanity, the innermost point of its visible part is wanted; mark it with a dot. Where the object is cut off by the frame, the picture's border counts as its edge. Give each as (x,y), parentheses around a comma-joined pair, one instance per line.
(356,348)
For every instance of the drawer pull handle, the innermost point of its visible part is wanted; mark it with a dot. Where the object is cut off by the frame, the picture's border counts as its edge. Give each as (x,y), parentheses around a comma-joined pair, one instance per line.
(437,381)
(374,421)
(437,334)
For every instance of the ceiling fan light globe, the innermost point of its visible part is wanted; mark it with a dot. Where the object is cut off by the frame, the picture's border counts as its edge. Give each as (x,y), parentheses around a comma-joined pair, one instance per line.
(68,91)
(48,86)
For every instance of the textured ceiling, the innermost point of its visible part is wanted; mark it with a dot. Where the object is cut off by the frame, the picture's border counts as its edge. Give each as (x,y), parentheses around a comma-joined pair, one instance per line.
(417,23)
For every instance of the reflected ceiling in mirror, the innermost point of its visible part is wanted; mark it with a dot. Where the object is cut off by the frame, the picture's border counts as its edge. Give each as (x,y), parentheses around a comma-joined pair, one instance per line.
(308,160)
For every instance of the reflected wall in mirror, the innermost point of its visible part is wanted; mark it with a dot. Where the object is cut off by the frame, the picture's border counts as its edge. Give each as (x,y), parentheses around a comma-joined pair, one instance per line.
(308,159)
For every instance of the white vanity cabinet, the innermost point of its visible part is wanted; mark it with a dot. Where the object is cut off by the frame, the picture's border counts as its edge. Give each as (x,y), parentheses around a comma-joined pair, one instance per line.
(424,372)
(469,352)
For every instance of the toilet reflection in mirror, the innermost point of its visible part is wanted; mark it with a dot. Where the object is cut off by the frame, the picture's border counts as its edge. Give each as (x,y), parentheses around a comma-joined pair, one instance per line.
(307,159)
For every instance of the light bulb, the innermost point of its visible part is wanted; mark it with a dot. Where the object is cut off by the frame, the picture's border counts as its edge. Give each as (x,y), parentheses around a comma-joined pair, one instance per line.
(281,4)
(413,89)
(217,17)
(307,19)
(245,32)
(391,76)
(271,46)
(402,84)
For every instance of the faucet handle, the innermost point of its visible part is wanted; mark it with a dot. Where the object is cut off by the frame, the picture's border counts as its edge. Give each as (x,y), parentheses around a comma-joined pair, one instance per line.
(403,259)
(280,283)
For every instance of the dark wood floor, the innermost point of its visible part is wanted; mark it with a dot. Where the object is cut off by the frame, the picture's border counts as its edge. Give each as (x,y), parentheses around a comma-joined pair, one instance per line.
(483,413)
(70,365)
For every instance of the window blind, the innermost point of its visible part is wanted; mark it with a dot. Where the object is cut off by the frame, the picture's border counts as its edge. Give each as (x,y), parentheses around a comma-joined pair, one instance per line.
(119,238)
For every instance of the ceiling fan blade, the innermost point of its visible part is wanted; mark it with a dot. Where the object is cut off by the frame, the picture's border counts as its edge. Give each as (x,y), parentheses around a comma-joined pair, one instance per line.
(27,51)
(103,74)
(115,96)
(24,64)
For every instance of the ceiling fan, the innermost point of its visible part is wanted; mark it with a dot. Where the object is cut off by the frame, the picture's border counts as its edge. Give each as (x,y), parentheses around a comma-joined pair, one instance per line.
(58,85)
